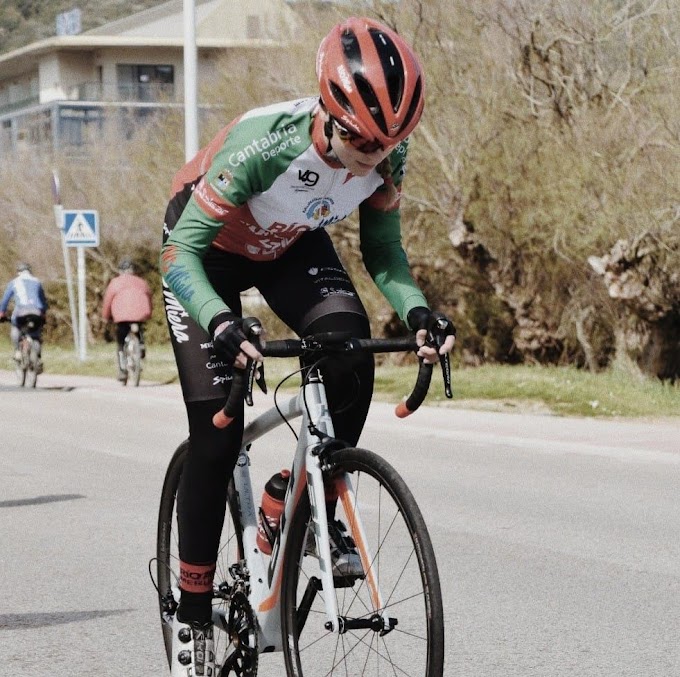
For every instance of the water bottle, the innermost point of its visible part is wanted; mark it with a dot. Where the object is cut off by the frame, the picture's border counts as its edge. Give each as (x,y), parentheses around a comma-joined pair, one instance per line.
(271,509)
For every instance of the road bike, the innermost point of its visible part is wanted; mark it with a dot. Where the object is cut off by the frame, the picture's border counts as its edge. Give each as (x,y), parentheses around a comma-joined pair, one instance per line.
(133,355)
(386,620)
(27,363)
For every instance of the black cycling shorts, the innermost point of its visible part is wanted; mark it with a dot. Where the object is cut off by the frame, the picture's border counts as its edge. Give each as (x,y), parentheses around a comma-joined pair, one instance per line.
(33,321)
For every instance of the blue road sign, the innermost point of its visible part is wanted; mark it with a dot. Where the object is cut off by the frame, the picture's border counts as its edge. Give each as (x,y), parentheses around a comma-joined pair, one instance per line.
(81,227)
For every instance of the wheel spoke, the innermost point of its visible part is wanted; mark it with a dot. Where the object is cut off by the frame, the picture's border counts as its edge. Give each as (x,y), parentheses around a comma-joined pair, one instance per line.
(405,637)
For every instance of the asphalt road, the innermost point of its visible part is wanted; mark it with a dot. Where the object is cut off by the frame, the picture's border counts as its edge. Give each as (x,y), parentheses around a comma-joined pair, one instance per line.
(558,539)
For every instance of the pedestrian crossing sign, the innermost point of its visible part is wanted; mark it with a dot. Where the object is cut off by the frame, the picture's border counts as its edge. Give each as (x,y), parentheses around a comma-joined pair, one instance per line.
(81,227)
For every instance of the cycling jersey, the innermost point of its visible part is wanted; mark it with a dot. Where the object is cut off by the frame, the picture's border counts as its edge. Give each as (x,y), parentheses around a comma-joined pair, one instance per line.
(28,294)
(259,185)
(127,299)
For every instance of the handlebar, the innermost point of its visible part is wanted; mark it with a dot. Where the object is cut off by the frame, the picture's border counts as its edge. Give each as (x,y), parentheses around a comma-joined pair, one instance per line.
(325,344)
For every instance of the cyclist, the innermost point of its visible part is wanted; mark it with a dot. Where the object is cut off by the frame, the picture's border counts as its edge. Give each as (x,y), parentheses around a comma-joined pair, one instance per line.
(29,302)
(127,299)
(251,210)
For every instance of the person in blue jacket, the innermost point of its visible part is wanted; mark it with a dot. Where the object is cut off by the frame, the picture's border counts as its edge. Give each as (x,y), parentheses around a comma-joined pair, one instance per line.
(28,295)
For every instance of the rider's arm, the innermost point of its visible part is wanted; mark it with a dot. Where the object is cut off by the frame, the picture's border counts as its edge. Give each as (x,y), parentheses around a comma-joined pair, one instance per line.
(386,261)
(6,297)
(106,302)
(182,263)
(213,202)
(149,295)
(43,298)
(381,248)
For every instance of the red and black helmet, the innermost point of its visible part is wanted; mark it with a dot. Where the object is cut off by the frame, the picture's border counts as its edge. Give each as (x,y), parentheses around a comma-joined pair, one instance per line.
(371,82)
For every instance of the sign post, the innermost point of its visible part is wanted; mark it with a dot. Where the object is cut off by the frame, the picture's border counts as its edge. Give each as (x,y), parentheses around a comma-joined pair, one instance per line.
(81,229)
(56,197)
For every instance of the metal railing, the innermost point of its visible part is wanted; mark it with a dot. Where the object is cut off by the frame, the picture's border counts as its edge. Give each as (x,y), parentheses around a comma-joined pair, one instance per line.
(138,92)
(17,105)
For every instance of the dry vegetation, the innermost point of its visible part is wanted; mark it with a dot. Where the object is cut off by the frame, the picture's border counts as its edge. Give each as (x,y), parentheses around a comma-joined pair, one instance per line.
(542,203)
(26,21)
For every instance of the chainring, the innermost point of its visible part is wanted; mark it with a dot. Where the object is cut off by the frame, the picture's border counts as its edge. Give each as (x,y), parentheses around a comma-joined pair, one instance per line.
(242,654)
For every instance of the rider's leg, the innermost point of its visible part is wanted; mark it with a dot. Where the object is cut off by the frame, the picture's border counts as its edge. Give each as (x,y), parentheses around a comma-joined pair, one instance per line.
(310,291)
(348,379)
(37,337)
(201,502)
(14,334)
(324,300)
(142,345)
(122,329)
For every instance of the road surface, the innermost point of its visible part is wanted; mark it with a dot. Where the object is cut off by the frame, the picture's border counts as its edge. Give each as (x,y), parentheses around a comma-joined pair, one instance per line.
(558,539)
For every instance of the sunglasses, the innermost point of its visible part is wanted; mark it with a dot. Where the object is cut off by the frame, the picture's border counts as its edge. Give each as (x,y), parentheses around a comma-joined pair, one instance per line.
(359,142)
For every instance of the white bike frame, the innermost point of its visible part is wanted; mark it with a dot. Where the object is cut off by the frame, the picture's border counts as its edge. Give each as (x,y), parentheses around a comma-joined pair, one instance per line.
(265,580)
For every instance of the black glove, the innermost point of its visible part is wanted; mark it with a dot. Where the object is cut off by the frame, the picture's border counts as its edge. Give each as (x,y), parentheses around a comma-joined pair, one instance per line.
(437,324)
(228,332)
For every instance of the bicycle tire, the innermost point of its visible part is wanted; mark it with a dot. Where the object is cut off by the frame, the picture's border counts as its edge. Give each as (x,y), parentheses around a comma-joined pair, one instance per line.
(167,558)
(404,565)
(32,372)
(133,358)
(21,367)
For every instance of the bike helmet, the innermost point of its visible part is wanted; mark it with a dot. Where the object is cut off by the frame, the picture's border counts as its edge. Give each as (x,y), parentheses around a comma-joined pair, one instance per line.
(126,264)
(21,267)
(370,80)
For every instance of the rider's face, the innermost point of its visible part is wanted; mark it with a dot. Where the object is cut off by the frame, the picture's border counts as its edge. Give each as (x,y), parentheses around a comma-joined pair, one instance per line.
(358,155)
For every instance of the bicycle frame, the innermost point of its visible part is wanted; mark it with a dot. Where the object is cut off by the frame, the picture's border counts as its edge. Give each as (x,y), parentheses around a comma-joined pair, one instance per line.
(306,474)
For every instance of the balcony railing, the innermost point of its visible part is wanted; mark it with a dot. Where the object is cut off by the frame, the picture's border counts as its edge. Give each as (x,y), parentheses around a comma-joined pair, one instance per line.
(17,105)
(139,92)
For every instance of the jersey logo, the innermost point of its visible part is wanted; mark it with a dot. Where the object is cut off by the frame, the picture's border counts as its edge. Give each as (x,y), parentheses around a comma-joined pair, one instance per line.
(223,180)
(308,177)
(319,209)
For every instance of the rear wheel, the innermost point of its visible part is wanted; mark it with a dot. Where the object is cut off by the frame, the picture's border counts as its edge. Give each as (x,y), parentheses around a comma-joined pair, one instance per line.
(21,365)
(33,359)
(133,358)
(404,635)
(167,554)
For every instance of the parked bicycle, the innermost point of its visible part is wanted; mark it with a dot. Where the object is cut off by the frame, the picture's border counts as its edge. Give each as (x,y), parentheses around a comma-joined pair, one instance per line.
(27,362)
(133,355)
(384,618)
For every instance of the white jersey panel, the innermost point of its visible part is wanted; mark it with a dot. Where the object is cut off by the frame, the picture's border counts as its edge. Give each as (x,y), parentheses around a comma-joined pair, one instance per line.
(309,194)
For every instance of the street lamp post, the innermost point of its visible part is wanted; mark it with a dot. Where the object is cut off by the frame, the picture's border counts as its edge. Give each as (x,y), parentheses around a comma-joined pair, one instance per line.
(190,81)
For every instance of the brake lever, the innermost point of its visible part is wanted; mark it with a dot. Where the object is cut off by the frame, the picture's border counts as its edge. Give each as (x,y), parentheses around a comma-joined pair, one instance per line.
(437,341)
(250,368)
(445,363)
(259,377)
(253,330)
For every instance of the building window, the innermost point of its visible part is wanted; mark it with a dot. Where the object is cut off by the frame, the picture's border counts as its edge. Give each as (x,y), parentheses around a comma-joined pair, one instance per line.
(253,27)
(145,82)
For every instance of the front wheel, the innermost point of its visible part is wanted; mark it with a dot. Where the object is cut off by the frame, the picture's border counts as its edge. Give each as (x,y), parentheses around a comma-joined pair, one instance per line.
(403,635)
(167,563)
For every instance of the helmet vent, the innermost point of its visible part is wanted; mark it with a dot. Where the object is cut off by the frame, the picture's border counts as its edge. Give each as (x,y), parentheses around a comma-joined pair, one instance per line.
(392,66)
(371,100)
(413,107)
(340,98)
(352,51)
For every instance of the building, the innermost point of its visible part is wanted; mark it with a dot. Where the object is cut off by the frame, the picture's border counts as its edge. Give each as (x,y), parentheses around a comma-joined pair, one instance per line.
(68,89)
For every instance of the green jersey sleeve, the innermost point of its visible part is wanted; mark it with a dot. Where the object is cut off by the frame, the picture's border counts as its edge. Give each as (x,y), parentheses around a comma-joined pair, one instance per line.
(381,248)
(235,173)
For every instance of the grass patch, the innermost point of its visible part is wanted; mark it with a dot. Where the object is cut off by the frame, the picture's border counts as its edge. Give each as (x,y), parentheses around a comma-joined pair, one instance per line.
(559,390)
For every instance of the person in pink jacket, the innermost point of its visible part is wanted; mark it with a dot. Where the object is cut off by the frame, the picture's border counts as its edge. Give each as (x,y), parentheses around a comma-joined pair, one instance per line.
(127,299)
